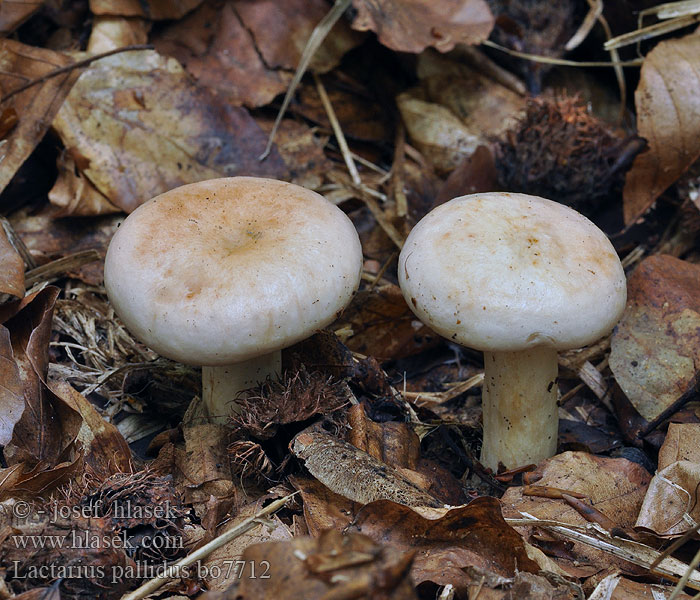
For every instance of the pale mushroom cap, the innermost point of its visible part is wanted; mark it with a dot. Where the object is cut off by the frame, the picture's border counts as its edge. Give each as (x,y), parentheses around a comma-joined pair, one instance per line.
(505,272)
(221,271)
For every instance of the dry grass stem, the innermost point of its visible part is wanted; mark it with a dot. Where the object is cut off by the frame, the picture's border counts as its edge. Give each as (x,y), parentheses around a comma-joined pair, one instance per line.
(561,61)
(312,45)
(59,267)
(174,571)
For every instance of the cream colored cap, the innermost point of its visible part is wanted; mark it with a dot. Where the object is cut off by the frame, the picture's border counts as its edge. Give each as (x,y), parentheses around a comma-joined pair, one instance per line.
(222,271)
(505,272)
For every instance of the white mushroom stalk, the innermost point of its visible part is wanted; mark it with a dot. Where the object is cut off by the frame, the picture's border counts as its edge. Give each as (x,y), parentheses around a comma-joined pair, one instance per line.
(519,402)
(226,273)
(221,385)
(518,277)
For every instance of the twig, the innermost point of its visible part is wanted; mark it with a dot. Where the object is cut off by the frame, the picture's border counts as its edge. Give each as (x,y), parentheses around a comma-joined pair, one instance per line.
(338,132)
(59,267)
(690,393)
(76,65)
(17,243)
(174,570)
(397,171)
(315,40)
(678,590)
(561,61)
(382,270)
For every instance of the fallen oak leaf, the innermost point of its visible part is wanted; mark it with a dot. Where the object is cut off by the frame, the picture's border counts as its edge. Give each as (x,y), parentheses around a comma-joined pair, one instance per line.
(413,25)
(355,474)
(668,116)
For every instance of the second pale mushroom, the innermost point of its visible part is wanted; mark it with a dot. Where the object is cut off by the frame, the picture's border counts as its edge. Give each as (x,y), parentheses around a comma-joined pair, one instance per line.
(519,278)
(227,272)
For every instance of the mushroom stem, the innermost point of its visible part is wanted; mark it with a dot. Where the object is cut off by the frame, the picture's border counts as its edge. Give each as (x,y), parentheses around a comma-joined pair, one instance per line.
(519,403)
(220,385)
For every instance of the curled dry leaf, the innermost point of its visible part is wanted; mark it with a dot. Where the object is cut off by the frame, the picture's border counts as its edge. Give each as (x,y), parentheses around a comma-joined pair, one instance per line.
(138,112)
(11,269)
(11,396)
(414,25)
(15,12)
(436,131)
(354,474)
(615,487)
(105,449)
(36,106)
(668,116)
(48,426)
(655,349)
(671,504)
(332,565)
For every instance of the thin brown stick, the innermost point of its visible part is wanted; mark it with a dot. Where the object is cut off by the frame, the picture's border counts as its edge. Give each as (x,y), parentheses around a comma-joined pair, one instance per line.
(397,171)
(76,65)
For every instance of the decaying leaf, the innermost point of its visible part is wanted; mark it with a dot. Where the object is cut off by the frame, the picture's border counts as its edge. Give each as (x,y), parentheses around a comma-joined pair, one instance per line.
(332,565)
(436,131)
(11,396)
(105,450)
(217,564)
(412,26)
(282,29)
(383,325)
(448,540)
(655,350)
(615,487)
(668,116)
(15,12)
(138,112)
(36,106)
(671,505)
(48,427)
(11,269)
(349,471)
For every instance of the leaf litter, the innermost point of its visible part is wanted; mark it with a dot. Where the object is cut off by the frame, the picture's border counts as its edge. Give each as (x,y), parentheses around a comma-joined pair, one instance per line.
(376,423)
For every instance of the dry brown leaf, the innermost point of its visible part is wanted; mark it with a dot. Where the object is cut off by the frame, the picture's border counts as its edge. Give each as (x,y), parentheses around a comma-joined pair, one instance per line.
(396,444)
(353,473)
(15,12)
(413,25)
(360,116)
(383,326)
(627,589)
(141,128)
(448,540)
(48,239)
(323,509)
(614,486)
(668,116)
(11,393)
(48,427)
(150,9)
(222,57)
(436,131)
(11,269)
(217,566)
(331,566)
(34,107)
(108,33)
(282,29)
(655,350)
(75,195)
(104,448)
(670,507)
(486,107)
